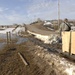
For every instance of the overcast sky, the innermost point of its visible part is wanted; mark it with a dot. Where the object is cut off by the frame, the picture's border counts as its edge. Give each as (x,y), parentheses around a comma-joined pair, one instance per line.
(26,11)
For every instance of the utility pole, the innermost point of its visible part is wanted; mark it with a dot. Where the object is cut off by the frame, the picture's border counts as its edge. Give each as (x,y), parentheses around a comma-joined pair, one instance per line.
(58,13)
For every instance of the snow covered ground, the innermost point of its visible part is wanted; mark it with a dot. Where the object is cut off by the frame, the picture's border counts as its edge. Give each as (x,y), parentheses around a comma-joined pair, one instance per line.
(49,39)
(6,30)
(13,30)
(18,30)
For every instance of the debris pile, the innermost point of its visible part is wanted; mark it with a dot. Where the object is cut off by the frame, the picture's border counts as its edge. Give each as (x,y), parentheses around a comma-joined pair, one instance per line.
(53,39)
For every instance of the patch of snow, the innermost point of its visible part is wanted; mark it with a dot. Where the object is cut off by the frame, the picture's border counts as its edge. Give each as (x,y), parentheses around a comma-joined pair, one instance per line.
(61,65)
(19,30)
(47,23)
(69,71)
(54,39)
(49,39)
(6,30)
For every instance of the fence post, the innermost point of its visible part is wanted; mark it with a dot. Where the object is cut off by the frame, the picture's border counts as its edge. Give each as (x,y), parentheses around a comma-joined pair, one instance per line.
(7,38)
(10,37)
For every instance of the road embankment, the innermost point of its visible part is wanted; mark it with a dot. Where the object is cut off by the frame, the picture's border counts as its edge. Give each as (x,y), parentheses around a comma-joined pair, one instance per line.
(48,39)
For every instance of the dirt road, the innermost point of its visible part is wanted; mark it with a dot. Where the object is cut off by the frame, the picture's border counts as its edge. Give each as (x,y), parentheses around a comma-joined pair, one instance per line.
(40,29)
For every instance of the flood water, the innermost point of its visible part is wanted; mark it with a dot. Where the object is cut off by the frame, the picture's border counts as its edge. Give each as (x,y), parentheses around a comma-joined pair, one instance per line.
(20,39)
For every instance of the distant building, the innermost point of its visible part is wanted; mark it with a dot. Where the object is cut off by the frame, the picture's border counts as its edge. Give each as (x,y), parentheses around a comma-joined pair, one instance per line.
(47,23)
(2,27)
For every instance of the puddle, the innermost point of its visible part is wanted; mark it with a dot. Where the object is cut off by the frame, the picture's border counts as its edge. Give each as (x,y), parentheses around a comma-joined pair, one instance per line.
(20,39)
(2,45)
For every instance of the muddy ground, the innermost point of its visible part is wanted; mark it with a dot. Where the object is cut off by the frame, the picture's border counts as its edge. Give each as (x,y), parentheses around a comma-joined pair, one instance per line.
(11,63)
(42,58)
